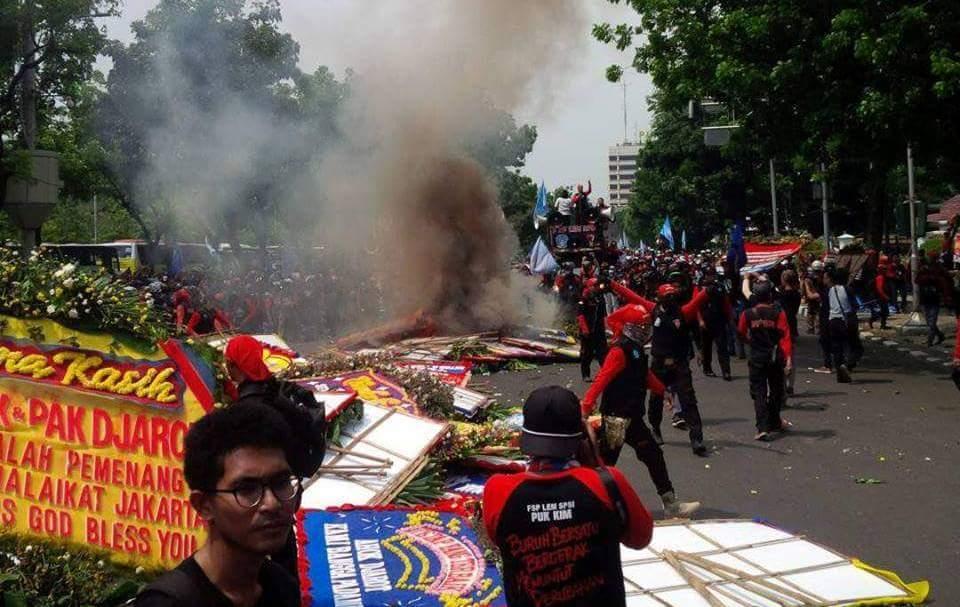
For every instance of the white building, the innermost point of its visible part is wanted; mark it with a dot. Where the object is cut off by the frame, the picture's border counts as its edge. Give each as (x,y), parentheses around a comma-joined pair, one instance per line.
(622,169)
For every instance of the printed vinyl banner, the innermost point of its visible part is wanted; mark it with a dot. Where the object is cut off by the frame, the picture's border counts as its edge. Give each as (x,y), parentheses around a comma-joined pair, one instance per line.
(394,557)
(370,387)
(91,441)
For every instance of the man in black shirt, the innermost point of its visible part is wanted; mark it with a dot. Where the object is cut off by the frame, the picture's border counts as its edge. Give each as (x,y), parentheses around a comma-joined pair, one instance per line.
(241,484)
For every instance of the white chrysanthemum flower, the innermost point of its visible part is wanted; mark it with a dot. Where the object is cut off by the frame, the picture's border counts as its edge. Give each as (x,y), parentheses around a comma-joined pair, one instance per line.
(73,313)
(51,309)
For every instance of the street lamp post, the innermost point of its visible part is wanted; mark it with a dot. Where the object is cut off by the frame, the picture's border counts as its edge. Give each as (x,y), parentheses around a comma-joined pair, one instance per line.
(911,200)
(825,207)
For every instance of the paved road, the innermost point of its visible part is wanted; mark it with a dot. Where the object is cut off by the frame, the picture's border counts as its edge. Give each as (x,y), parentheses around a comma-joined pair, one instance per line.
(898,423)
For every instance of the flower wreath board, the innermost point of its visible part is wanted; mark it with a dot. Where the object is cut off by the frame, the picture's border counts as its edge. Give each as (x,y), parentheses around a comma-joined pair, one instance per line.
(376,556)
(92,428)
(380,453)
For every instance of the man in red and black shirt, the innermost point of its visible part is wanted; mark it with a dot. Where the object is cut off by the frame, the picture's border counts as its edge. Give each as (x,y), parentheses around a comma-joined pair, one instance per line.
(559,525)
(623,382)
(765,328)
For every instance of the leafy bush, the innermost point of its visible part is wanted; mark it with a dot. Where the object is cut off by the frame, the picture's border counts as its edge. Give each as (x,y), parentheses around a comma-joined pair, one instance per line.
(35,573)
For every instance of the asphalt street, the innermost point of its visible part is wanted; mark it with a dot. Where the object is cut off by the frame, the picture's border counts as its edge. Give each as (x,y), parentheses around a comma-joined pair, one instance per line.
(895,428)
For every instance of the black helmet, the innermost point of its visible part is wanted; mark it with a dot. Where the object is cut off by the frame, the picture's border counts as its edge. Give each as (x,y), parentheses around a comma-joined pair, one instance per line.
(763,290)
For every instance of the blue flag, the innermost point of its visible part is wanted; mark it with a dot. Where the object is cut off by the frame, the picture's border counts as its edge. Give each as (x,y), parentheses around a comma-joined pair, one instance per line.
(623,243)
(667,232)
(683,240)
(643,247)
(541,261)
(540,209)
(737,255)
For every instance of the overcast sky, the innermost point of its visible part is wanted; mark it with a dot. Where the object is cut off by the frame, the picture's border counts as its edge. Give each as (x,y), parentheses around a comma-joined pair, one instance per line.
(585,116)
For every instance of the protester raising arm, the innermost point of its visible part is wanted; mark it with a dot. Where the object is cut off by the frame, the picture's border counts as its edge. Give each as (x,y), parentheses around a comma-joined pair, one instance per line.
(692,307)
(629,296)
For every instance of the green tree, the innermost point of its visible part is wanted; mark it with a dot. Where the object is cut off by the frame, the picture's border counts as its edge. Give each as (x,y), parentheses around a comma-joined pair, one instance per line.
(59,42)
(518,194)
(197,72)
(501,146)
(847,84)
(696,186)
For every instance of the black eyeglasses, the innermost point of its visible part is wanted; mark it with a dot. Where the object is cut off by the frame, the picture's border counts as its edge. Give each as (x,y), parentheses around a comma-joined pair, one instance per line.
(249,494)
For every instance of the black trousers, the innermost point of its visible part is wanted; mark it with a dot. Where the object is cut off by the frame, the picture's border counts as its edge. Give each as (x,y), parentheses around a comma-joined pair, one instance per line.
(825,341)
(676,376)
(715,334)
(766,390)
(839,336)
(648,451)
(591,347)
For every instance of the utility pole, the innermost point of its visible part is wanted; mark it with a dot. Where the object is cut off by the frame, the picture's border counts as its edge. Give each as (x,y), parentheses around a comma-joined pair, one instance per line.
(911,201)
(29,237)
(825,207)
(773,198)
(623,81)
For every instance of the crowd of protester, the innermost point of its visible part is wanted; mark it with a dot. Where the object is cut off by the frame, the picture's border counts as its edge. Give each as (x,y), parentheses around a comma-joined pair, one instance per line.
(647,318)
(319,301)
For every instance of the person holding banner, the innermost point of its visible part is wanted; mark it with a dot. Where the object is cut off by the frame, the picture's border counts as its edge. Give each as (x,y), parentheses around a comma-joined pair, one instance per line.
(236,463)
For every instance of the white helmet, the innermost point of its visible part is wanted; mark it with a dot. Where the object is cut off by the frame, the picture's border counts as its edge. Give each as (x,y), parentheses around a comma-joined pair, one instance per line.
(817,265)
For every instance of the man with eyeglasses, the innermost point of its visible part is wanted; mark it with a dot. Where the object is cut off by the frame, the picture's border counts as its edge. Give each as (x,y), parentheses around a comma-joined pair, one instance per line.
(242,486)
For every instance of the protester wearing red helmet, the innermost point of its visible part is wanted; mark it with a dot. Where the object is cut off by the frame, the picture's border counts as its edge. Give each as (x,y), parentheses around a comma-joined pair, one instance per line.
(623,382)
(671,352)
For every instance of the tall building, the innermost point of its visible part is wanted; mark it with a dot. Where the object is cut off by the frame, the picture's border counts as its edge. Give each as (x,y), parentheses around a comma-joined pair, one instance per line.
(623,169)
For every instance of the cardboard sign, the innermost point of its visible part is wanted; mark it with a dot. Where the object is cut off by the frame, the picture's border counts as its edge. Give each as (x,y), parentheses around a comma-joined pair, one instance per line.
(394,557)
(91,441)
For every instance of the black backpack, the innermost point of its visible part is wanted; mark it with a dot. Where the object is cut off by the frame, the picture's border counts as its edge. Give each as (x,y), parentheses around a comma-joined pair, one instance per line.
(305,401)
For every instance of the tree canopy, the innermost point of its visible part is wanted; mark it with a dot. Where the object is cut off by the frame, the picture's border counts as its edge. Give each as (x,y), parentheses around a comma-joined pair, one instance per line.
(846,84)
(59,41)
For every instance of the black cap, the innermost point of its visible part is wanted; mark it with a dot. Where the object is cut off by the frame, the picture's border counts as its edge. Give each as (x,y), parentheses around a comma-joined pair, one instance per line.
(552,425)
